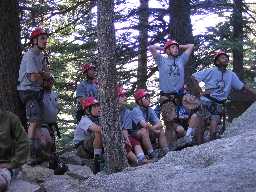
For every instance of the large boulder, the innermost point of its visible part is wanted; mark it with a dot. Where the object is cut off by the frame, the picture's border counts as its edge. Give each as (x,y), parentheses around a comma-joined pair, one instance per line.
(223,165)
(79,172)
(61,183)
(24,186)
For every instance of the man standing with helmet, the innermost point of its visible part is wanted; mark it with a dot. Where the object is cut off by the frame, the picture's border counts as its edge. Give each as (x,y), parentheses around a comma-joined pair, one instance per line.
(87,135)
(86,88)
(33,71)
(218,82)
(171,80)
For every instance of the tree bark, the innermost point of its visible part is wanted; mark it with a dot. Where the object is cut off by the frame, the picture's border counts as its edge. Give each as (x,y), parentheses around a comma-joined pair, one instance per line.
(181,28)
(112,134)
(143,43)
(10,52)
(237,23)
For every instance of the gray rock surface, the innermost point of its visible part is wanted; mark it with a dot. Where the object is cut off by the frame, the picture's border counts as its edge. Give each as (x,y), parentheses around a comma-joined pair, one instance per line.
(224,165)
(61,183)
(79,172)
(23,186)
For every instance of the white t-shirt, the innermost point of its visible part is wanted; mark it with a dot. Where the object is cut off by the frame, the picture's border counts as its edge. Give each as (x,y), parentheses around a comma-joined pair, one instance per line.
(82,130)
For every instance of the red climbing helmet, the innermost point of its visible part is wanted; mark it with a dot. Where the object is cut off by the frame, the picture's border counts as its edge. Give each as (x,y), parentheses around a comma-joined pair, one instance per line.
(169,43)
(139,93)
(121,91)
(219,53)
(88,102)
(37,32)
(86,67)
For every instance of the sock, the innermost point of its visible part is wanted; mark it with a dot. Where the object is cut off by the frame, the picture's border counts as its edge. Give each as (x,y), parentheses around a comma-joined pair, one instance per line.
(140,156)
(190,131)
(97,151)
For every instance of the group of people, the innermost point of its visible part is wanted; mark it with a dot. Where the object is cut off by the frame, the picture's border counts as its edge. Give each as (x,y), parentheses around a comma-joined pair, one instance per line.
(186,110)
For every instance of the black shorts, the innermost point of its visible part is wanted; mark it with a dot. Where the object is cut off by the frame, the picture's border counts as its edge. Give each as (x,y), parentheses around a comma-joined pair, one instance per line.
(33,100)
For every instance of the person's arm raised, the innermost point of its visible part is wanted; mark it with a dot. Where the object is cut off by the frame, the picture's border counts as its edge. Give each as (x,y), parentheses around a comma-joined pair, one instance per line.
(154,49)
(188,48)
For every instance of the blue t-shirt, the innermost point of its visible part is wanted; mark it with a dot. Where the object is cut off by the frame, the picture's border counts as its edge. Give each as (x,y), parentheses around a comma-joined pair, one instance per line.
(218,83)
(32,62)
(86,89)
(125,118)
(139,114)
(171,72)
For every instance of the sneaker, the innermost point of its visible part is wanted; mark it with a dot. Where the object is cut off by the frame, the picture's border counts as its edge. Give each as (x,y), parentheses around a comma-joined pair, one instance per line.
(153,155)
(143,162)
(61,169)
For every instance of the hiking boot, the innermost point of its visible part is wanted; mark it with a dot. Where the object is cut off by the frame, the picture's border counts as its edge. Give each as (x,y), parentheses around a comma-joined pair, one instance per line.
(98,163)
(162,153)
(143,162)
(59,167)
(153,156)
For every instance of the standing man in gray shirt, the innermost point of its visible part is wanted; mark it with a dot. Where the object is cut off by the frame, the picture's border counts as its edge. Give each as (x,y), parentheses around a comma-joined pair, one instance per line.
(171,80)
(33,71)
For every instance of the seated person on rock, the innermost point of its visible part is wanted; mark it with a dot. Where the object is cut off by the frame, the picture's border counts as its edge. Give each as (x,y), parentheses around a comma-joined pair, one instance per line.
(218,82)
(88,133)
(145,122)
(133,147)
(14,147)
(185,110)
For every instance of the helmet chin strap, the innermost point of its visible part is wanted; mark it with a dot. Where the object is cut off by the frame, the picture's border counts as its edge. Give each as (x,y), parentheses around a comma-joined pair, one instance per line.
(221,67)
(90,78)
(40,48)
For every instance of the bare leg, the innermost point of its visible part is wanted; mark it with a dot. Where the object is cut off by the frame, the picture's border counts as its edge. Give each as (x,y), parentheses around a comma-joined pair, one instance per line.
(143,135)
(97,143)
(198,124)
(171,132)
(213,129)
(132,157)
(162,140)
(180,131)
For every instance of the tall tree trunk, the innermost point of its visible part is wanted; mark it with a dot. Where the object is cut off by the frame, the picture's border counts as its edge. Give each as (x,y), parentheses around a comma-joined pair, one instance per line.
(112,133)
(143,43)
(237,23)
(10,50)
(181,28)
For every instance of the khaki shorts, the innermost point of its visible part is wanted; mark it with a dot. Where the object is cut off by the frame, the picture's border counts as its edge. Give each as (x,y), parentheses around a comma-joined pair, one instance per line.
(85,149)
(210,110)
(5,177)
(33,100)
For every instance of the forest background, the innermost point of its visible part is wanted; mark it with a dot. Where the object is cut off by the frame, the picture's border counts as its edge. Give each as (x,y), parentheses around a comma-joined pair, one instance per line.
(72,24)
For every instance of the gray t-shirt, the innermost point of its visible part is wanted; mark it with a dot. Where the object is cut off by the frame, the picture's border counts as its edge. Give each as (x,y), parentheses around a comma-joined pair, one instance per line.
(218,83)
(82,130)
(86,89)
(139,114)
(50,107)
(171,72)
(32,62)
